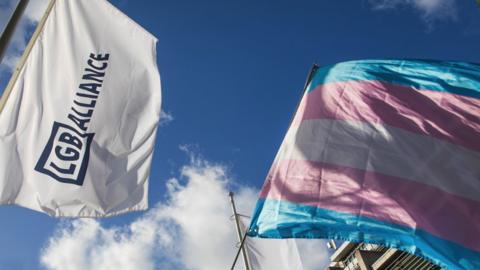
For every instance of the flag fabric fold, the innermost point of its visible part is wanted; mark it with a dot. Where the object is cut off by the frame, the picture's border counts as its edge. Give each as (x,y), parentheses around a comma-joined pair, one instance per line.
(385,152)
(78,131)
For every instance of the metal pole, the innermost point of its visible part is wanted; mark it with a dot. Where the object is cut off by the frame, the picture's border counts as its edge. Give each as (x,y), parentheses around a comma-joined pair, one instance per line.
(310,76)
(238,251)
(311,73)
(10,27)
(239,233)
(21,62)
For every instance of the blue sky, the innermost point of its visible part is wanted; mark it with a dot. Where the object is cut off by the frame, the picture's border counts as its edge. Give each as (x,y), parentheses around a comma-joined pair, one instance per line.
(232,73)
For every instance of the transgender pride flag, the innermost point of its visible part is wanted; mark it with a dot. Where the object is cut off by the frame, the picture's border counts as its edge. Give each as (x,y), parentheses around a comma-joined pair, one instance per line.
(386,152)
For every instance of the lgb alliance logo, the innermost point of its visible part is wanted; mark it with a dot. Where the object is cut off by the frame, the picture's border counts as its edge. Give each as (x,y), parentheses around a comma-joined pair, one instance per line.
(65,157)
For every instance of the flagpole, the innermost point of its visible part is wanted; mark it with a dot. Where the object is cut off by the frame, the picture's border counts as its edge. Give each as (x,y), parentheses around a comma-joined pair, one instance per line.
(23,59)
(11,25)
(239,234)
(310,75)
(238,251)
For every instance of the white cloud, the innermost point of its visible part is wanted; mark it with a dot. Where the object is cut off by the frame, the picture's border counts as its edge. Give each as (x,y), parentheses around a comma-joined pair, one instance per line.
(431,10)
(25,27)
(190,230)
(165,118)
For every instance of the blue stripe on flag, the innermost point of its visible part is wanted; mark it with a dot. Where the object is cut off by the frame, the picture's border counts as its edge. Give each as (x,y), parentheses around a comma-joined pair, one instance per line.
(281,219)
(459,78)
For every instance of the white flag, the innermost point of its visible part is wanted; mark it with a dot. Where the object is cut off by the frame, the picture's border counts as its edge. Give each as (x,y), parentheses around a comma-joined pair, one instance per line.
(78,130)
(268,254)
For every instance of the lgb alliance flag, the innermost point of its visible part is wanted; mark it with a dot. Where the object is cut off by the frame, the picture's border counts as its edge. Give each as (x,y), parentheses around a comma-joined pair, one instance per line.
(78,130)
(386,152)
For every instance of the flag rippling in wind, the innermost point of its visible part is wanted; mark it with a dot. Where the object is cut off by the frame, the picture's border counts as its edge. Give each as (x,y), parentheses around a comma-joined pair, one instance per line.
(386,152)
(78,130)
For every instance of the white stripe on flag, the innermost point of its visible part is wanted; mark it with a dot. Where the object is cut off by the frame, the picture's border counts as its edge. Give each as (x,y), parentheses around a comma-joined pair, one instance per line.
(385,149)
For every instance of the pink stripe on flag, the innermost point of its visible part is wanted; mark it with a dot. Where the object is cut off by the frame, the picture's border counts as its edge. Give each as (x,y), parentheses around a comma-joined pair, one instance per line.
(374,195)
(446,116)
